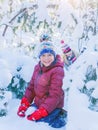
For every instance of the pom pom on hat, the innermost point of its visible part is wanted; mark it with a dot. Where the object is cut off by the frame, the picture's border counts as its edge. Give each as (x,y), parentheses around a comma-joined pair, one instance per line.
(62,41)
(44,37)
(46,47)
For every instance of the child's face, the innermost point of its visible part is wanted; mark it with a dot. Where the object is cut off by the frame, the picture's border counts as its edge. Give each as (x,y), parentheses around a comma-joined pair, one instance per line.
(46,59)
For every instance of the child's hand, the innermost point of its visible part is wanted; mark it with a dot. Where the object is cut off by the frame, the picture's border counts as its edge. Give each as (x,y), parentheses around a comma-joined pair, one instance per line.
(23,107)
(38,114)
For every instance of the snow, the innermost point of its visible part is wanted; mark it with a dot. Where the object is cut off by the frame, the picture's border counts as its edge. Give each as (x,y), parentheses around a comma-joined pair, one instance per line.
(12,121)
(80,116)
(4,70)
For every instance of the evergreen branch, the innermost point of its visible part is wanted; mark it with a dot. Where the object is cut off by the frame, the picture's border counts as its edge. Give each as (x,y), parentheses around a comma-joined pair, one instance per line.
(6,26)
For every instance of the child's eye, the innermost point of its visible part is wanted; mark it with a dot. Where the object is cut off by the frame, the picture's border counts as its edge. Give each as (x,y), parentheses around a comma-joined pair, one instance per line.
(49,54)
(43,55)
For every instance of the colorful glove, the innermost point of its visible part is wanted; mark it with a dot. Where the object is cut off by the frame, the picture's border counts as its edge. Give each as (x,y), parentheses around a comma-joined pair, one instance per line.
(23,107)
(38,114)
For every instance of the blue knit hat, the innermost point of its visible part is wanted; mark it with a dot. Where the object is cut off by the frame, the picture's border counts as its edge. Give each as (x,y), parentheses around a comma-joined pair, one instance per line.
(47,47)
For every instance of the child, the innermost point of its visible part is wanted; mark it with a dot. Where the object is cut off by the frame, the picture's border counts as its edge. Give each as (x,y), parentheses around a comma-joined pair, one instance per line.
(45,87)
(69,56)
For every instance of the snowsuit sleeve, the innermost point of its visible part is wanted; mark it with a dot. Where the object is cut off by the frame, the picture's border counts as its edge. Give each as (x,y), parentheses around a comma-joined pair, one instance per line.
(56,93)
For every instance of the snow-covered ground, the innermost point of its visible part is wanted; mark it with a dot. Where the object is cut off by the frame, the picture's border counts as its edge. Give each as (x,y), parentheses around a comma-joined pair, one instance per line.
(12,121)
